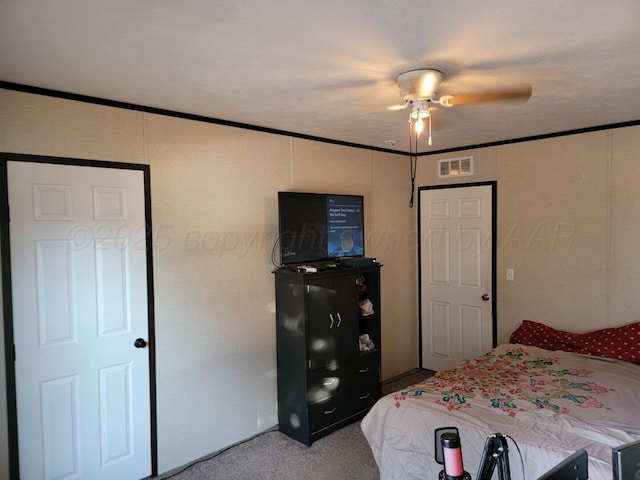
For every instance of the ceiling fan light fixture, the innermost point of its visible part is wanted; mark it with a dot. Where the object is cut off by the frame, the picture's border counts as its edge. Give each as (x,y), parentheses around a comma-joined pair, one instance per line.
(418,126)
(420,114)
(420,111)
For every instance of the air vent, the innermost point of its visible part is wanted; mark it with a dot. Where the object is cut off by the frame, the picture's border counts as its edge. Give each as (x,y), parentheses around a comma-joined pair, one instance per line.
(455,167)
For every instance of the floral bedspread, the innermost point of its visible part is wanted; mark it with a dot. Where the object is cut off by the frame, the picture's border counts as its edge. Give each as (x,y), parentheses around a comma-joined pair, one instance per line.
(551,403)
(511,381)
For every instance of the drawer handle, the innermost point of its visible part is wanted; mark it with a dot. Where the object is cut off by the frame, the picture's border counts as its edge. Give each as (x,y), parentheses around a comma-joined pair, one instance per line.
(364,397)
(339,319)
(329,412)
(331,325)
(364,370)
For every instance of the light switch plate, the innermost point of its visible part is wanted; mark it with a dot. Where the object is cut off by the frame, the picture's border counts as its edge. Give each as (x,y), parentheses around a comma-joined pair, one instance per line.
(510,274)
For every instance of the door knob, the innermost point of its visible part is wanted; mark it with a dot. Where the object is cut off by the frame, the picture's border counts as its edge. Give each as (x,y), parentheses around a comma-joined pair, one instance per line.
(485,298)
(140,343)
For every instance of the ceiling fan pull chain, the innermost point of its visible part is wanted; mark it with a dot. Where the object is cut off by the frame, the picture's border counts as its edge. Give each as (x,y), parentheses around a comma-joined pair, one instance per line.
(429,115)
(413,163)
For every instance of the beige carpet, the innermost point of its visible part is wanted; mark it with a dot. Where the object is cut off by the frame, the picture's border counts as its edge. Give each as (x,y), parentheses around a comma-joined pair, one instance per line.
(344,454)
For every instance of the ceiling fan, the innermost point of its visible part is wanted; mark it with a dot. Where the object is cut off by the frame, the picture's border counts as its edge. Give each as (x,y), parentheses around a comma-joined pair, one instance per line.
(422,85)
(420,90)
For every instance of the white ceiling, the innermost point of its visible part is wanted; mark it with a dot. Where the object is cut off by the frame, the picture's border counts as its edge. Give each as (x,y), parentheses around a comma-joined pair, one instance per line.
(327,68)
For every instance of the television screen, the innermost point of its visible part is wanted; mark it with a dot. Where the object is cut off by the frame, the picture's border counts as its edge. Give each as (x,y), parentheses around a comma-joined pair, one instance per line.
(317,227)
(345,226)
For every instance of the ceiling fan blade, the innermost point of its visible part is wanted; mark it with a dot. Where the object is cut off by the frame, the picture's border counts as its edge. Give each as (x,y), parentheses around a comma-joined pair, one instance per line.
(399,106)
(520,94)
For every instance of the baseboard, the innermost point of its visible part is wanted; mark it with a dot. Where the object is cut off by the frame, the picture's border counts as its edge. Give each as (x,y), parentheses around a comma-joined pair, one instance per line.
(402,375)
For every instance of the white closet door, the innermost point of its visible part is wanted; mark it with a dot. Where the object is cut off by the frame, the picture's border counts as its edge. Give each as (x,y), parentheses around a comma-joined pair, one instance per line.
(79,290)
(456,275)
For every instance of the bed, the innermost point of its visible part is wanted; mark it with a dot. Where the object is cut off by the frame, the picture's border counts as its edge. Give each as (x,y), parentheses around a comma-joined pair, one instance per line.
(550,401)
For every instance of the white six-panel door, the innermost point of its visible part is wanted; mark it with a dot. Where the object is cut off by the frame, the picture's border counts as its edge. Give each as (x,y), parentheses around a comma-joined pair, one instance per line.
(78,262)
(455,275)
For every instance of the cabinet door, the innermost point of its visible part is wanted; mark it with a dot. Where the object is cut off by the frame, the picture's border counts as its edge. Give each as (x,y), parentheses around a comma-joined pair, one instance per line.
(332,327)
(346,306)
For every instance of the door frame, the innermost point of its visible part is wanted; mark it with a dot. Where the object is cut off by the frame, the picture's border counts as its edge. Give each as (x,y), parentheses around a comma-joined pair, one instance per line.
(494,207)
(5,254)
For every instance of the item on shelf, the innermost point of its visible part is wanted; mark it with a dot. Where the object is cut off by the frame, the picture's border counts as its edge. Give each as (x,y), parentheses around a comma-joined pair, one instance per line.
(366,307)
(306,269)
(366,344)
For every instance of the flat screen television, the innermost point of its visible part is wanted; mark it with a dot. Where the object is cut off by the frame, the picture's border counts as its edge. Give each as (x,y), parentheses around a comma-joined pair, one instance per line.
(319,227)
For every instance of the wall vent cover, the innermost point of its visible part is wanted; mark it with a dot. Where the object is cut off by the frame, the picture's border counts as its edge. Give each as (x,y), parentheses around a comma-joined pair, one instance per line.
(455,167)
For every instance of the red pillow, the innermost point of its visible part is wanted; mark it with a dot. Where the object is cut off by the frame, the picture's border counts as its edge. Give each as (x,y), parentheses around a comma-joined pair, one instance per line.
(621,342)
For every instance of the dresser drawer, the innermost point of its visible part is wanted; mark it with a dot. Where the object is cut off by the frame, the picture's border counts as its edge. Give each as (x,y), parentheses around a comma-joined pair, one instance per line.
(326,383)
(368,394)
(368,389)
(327,412)
(369,367)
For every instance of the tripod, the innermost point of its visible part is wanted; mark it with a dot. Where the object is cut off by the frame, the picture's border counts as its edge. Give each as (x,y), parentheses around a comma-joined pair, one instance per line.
(495,453)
